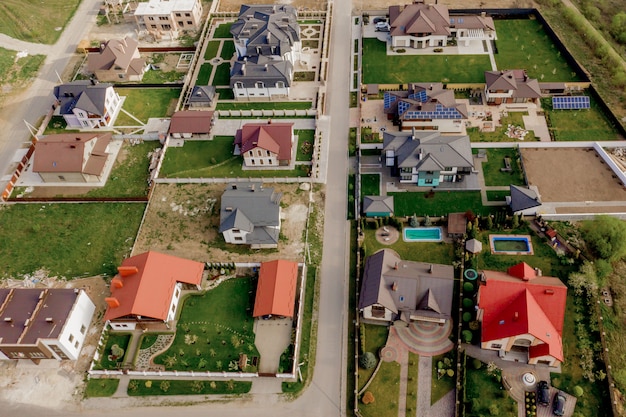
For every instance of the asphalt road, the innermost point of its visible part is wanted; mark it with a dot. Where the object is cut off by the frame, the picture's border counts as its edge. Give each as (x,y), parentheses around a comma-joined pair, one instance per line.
(326,394)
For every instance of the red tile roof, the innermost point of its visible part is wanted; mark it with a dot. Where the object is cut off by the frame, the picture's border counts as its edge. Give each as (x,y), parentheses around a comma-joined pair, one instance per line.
(145,285)
(191,121)
(273,137)
(520,302)
(276,289)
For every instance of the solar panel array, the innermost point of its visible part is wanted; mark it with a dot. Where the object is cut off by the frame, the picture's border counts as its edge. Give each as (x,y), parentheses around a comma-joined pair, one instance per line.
(403,106)
(570,103)
(421,96)
(389,99)
(440,112)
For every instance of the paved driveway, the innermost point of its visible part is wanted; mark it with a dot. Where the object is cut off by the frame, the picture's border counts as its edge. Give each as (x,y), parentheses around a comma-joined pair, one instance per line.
(272,337)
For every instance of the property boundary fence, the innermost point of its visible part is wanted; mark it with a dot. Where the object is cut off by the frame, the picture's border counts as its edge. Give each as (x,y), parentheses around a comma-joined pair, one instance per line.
(267,113)
(234,180)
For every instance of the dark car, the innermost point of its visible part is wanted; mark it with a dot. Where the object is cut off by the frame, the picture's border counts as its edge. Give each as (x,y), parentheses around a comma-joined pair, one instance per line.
(558,404)
(543,393)
(379,19)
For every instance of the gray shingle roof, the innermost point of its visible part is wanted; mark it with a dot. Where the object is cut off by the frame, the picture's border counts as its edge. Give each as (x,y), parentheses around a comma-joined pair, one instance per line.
(378,204)
(265,69)
(202,94)
(429,150)
(523,198)
(82,94)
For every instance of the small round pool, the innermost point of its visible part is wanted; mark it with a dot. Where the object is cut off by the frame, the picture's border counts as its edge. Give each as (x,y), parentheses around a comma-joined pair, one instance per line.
(421,234)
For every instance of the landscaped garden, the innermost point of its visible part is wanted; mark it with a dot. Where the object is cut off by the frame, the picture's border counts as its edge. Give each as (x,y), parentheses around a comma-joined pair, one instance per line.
(143,387)
(36,22)
(213,329)
(223,31)
(113,353)
(384,390)
(439,203)
(372,338)
(500,133)
(101,387)
(144,103)
(370,184)
(579,125)
(306,141)
(380,68)
(484,392)
(222,75)
(443,375)
(492,172)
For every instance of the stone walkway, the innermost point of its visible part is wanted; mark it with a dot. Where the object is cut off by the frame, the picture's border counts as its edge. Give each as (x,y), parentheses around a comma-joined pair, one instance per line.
(424,384)
(144,357)
(424,339)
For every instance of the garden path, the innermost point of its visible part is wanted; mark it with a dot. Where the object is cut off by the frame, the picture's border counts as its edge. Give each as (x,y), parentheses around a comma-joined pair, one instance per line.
(144,358)
(424,384)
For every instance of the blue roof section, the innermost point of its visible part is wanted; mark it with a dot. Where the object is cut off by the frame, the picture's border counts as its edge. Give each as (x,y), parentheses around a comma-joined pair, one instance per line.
(570,102)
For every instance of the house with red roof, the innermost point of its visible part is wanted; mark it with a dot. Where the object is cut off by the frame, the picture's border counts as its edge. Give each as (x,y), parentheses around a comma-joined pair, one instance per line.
(147,289)
(265,144)
(522,314)
(276,289)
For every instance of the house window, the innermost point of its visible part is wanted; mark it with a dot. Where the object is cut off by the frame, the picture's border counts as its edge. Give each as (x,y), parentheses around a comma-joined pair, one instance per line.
(378,312)
(250,153)
(76,344)
(163,18)
(268,153)
(261,162)
(189,22)
(151,18)
(181,23)
(61,178)
(178,14)
(173,308)
(177,293)
(166,27)
(260,84)
(496,346)
(71,338)
(428,181)
(83,329)
(121,76)
(252,161)
(153,26)
(258,152)
(238,85)
(239,238)
(187,14)
(280,84)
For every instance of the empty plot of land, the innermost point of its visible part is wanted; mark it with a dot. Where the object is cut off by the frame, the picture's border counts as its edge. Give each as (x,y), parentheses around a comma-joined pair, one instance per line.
(576,174)
(234,5)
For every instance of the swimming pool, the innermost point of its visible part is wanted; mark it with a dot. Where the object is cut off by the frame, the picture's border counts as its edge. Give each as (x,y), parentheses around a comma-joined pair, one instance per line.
(511,244)
(421,234)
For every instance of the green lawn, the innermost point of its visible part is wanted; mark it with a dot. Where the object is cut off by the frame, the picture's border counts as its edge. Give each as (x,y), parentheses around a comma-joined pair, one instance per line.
(14,70)
(386,392)
(306,140)
(579,125)
(375,339)
(213,329)
(278,105)
(442,385)
(162,77)
(35,21)
(514,118)
(412,383)
(67,240)
(225,93)
(222,75)
(396,69)
(442,203)
(223,31)
(524,44)
(435,252)
(101,387)
(495,161)
(486,395)
(106,360)
(497,195)
(142,387)
(228,49)
(370,184)
(145,103)
(211,50)
(204,74)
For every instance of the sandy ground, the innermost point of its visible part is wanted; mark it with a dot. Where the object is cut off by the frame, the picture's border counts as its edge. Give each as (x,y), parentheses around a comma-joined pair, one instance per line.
(571,175)
(183,220)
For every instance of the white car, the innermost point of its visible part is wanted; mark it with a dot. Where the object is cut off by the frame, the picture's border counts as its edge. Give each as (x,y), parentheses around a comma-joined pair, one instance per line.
(382,27)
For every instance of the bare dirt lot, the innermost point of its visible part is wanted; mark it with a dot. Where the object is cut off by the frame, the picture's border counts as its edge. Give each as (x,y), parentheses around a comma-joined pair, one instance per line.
(452,4)
(183,220)
(235,5)
(575,174)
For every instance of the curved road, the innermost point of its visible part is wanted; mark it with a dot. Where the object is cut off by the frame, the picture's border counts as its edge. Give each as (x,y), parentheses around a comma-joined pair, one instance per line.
(326,395)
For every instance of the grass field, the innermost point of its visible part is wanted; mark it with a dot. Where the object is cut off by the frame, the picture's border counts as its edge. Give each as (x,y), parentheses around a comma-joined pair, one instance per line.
(579,125)
(13,71)
(142,387)
(370,184)
(486,396)
(223,31)
(513,118)
(106,360)
(228,49)
(222,75)
(101,387)
(37,22)
(383,69)
(442,203)
(495,160)
(306,141)
(523,43)
(375,339)
(386,391)
(435,252)
(204,74)
(145,103)
(67,240)
(211,50)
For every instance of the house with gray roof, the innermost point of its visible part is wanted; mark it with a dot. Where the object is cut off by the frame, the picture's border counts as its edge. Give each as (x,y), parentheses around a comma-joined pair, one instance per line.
(394,289)
(426,158)
(425,106)
(250,215)
(267,42)
(87,104)
(524,200)
(201,96)
(510,86)
(378,205)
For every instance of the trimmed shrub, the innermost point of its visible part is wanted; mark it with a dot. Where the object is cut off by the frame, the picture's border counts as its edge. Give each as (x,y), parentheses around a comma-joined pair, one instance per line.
(468,287)
(368,398)
(578,391)
(467,336)
(476,363)
(467,303)
(367,360)
(467,316)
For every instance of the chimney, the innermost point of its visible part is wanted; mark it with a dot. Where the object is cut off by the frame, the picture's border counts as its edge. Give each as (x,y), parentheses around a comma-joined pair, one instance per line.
(265,68)
(8,320)
(112,302)
(269,121)
(515,316)
(117,282)
(483,14)
(49,320)
(234,186)
(77,139)
(252,186)
(549,291)
(430,269)
(72,146)
(126,271)
(395,266)
(243,69)
(269,37)
(394,286)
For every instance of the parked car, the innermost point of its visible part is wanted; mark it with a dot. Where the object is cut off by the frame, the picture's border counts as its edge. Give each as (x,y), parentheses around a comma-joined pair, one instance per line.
(379,19)
(382,27)
(558,404)
(543,393)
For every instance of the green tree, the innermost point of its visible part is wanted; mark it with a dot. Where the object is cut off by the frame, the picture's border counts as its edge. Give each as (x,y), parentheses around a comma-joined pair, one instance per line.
(606,237)
(367,360)
(618,27)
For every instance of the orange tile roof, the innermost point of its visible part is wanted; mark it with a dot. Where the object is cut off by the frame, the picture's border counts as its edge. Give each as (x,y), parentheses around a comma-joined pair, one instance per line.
(147,290)
(276,289)
(273,137)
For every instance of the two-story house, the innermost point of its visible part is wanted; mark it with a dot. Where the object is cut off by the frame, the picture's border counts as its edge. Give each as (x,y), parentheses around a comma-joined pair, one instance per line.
(118,60)
(510,86)
(169,18)
(265,144)
(86,104)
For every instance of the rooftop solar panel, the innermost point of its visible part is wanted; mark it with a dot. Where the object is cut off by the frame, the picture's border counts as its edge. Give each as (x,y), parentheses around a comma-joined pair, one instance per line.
(570,102)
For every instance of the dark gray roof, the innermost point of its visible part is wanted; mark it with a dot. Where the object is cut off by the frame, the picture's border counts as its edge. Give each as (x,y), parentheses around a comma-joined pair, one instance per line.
(82,94)
(202,94)
(270,29)
(378,204)
(270,70)
(252,208)
(407,286)
(523,198)
(435,94)
(427,150)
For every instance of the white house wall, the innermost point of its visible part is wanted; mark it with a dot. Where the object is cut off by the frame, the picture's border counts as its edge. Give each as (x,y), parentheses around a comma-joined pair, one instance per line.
(79,319)
(171,315)
(265,92)
(443,126)
(367,314)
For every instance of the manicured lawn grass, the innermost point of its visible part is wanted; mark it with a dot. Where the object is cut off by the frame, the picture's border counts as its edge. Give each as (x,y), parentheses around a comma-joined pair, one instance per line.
(142,387)
(35,21)
(211,50)
(442,203)
(213,329)
(101,387)
(22,69)
(412,382)
(435,252)
(204,74)
(223,31)
(370,184)
(484,391)
(225,93)
(148,340)
(228,49)
(380,68)
(222,75)
(495,161)
(278,105)
(146,103)
(497,195)
(119,339)
(306,140)
(375,339)
(67,240)
(579,125)
(440,386)
(386,391)
(523,44)
(514,118)
(162,77)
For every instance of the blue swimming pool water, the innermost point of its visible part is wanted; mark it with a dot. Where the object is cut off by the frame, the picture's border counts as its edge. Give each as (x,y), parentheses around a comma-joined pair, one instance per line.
(422,234)
(511,244)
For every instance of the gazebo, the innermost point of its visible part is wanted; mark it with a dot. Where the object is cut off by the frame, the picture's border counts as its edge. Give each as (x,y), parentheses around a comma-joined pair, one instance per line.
(474,246)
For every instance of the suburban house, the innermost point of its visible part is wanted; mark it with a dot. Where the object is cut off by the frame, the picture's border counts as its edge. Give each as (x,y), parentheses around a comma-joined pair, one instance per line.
(378,205)
(421,25)
(40,323)
(191,124)
(394,289)
(267,42)
(265,144)
(250,215)
(426,158)
(118,60)
(425,106)
(86,104)
(521,314)
(147,288)
(169,18)
(523,200)
(72,157)
(276,289)
(510,86)
(201,96)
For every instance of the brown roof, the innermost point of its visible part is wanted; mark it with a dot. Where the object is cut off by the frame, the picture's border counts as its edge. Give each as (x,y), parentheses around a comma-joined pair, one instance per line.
(117,53)
(457,223)
(191,121)
(516,80)
(276,289)
(273,137)
(72,152)
(419,18)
